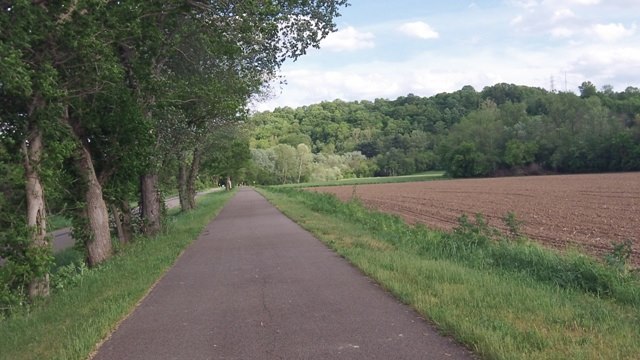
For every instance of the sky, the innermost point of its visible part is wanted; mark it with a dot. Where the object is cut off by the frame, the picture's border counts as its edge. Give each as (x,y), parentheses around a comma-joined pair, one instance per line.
(390,48)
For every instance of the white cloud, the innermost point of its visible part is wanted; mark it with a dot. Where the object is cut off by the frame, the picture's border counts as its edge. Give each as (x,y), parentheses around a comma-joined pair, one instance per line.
(567,3)
(584,2)
(613,32)
(419,29)
(348,39)
(561,32)
(578,20)
(601,59)
(430,73)
(526,44)
(425,75)
(556,4)
(526,4)
(516,20)
(562,14)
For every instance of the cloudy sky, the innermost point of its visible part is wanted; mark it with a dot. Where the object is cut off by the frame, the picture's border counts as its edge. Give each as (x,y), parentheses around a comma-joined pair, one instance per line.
(386,49)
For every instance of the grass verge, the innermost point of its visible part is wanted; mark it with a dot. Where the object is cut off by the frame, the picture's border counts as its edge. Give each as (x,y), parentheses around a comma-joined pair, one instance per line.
(503,300)
(427,176)
(70,323)
(56,222)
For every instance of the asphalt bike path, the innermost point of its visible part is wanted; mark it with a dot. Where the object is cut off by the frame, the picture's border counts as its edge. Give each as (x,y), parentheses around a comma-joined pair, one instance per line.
(255,285)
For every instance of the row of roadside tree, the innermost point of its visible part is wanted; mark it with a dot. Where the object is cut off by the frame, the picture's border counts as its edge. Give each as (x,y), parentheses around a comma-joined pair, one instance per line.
(105,103)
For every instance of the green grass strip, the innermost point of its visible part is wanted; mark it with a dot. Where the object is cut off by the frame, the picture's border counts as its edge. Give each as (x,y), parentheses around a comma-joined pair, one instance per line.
(70,323)
(57,222)
(500,311)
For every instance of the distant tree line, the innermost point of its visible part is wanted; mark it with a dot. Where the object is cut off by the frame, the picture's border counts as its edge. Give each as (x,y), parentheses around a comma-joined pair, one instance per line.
(503,129)
(284,163)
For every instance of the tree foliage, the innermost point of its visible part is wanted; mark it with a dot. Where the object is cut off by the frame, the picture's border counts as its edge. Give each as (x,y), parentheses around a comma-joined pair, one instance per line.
(101,100)
(503,129)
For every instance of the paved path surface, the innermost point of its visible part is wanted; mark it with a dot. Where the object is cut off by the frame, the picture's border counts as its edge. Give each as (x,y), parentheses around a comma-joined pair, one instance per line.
(257,286)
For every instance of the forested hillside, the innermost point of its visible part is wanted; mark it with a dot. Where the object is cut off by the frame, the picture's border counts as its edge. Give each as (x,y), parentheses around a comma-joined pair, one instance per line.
(503,129)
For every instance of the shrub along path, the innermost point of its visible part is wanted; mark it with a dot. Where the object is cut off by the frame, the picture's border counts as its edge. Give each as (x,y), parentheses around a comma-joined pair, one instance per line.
(257,286)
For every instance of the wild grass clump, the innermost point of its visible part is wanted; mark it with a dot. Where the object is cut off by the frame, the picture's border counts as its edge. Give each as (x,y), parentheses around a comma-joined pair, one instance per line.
(474,243)
(56,222)
(619,257)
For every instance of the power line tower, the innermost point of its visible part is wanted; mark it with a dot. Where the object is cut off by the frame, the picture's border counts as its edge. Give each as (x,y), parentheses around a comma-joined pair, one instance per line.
(552,84)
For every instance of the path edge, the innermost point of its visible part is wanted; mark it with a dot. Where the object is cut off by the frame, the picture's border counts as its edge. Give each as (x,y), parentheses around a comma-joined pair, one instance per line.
(117,325)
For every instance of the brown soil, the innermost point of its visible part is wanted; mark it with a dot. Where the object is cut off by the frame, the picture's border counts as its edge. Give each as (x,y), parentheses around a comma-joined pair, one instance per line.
(584,212)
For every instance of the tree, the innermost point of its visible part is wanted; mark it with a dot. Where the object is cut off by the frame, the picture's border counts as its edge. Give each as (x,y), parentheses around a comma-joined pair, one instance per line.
(249,39)
(228,156)
(519,154)
(31,93)
(261,168)
(304,159)
(502,93)
(465,161)
(91,75)
(587,89)
(474,146)
(66,50)
(62,63)
(286,164)
(531,126)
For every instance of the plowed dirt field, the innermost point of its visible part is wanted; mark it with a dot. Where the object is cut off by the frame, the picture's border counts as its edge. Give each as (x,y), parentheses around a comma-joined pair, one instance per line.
(585,212)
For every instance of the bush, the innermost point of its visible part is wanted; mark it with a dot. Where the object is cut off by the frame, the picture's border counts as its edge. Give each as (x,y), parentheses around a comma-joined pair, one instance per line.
(22,264)
(619,256)
(13,293)
(68,275)
(513,225)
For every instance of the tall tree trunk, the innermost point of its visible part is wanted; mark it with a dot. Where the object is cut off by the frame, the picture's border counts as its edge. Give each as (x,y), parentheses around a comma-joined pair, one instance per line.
(228,184)
(117,220)
(97,237)
(284,175)
(122,219)
(95,212)
(183,194)
(127,223)
(36,214)
(193,176)
(151,207)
